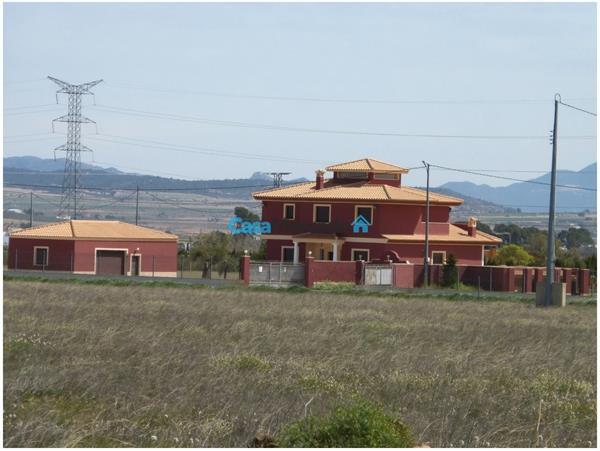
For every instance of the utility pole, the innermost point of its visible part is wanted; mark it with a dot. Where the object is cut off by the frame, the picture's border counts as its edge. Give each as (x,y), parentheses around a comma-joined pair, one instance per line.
(426,256)
(73,146)
(137,200)
(30,209)
(551,244)
(278,178)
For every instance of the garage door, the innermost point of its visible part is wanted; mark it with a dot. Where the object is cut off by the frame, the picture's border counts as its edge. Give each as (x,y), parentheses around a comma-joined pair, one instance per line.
(110,262)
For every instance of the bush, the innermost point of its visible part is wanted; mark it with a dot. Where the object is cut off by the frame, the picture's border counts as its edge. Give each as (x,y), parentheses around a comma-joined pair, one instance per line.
(449,274)
(356,425)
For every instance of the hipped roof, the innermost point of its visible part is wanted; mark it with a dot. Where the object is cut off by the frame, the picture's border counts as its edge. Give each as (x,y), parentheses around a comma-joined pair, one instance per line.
(79,229)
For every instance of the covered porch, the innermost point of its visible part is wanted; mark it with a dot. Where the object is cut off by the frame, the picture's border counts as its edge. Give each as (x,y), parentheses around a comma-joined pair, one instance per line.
(319,245)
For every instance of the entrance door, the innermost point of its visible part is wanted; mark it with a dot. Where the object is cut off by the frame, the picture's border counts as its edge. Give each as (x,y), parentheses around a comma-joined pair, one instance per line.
(135,265)
(110,263)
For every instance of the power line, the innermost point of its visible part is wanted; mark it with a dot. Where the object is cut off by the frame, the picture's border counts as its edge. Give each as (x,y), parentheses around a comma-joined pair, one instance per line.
(224,123)
(511,178)
(90,188)
(120,85)
(576,108)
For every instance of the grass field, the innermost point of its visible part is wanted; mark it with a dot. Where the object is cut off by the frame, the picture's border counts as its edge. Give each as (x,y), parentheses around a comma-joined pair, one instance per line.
(94,365)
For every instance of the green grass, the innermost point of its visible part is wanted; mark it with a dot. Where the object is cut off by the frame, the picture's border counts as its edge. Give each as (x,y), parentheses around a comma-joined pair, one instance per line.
(165,366)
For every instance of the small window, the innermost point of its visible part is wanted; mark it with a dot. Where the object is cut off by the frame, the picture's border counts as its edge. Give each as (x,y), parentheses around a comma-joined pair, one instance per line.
(438,258)
(289,211)
(352,175)
(287,254)
(365,211)
(385,176)
(40,256)
(322,213)
(360,254)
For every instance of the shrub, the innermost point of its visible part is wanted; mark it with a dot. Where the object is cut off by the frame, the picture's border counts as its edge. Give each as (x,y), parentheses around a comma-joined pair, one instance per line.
(450,277)
(356,425)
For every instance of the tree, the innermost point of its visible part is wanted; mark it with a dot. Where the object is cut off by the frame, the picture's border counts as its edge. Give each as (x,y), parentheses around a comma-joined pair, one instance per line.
(575,237)
(484,228)
(449,273)
(512,255)
(213,248)
(245,214)
(571,258)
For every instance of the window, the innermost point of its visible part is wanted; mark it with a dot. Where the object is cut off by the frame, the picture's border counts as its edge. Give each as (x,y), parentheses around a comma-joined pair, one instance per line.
(385,176)
(438,257)
(366,211)
(289,211)
(352,175)
(40,256)
(360,254)
(287,253)
(322,214)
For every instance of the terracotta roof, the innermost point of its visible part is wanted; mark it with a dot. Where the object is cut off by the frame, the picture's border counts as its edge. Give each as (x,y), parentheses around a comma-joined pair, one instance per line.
(366,165)
(362,191)
(456,235)
(86,230)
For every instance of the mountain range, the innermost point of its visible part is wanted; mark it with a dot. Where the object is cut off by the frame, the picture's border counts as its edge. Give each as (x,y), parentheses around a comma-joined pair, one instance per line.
(533,195)
(524,196)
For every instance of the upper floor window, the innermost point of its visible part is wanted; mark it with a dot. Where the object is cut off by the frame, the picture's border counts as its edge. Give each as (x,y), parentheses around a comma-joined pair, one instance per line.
(322,214)
(40,256)
(366,211)
(352,175)
(385,176)
(289,211)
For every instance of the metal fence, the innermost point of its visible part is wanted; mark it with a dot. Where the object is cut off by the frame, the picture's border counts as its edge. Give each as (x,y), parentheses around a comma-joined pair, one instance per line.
(276,273)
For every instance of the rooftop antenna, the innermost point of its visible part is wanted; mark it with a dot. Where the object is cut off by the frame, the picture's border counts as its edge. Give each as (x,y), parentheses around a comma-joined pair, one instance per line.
(278,178)
(73,146)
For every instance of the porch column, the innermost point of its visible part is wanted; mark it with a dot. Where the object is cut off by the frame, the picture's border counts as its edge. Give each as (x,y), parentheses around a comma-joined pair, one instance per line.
(335,251)
(296,253)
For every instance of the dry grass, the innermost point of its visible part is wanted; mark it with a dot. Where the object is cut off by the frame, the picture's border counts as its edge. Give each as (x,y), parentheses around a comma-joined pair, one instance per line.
(147,366)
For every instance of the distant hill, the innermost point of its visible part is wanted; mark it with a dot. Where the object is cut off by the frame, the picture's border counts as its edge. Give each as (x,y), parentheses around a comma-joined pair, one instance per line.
(37,171)
(535,198)
(31,171)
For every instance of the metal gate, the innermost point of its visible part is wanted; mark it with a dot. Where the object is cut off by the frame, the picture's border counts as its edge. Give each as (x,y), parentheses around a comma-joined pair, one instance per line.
(378,275)
(276,273)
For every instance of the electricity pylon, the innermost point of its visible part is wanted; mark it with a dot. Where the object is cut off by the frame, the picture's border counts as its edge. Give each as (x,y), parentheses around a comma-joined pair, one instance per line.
(73,147)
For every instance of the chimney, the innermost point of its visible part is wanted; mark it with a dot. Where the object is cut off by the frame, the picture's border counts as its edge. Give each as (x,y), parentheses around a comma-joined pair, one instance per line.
(320,180)
(472,226)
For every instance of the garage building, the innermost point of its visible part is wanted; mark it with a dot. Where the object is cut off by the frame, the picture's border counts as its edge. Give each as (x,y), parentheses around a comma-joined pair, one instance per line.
(94,247)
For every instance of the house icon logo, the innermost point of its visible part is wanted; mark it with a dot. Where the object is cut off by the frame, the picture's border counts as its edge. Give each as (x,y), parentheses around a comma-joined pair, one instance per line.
(360,225)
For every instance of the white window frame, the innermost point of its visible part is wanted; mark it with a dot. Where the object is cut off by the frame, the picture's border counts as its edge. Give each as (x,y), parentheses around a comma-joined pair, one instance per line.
(356,207)
(286,247)
(315,213)
(354,249)
(294,211)
(443,257)
(35,249)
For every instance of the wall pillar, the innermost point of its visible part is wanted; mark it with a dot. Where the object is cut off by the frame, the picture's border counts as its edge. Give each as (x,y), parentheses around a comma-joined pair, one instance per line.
(245,270)
(584,282)
(335,251)
(296,252)
(308,271)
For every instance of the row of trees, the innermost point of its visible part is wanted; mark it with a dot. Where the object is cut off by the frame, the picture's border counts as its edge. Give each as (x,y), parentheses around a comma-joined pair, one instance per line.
(529,247)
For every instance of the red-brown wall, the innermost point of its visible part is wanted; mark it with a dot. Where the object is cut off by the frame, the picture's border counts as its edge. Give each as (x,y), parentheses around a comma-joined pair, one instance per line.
(466,254)
(80,255)
(164,253)
(387,218)
(20,254)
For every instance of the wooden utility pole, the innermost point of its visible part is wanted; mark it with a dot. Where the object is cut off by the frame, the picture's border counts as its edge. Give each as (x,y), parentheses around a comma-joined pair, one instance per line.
(551,244)
(426,256)
(30,209)
(137,201)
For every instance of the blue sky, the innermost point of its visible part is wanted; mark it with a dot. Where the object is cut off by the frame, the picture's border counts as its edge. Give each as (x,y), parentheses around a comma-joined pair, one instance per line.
(172,58)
